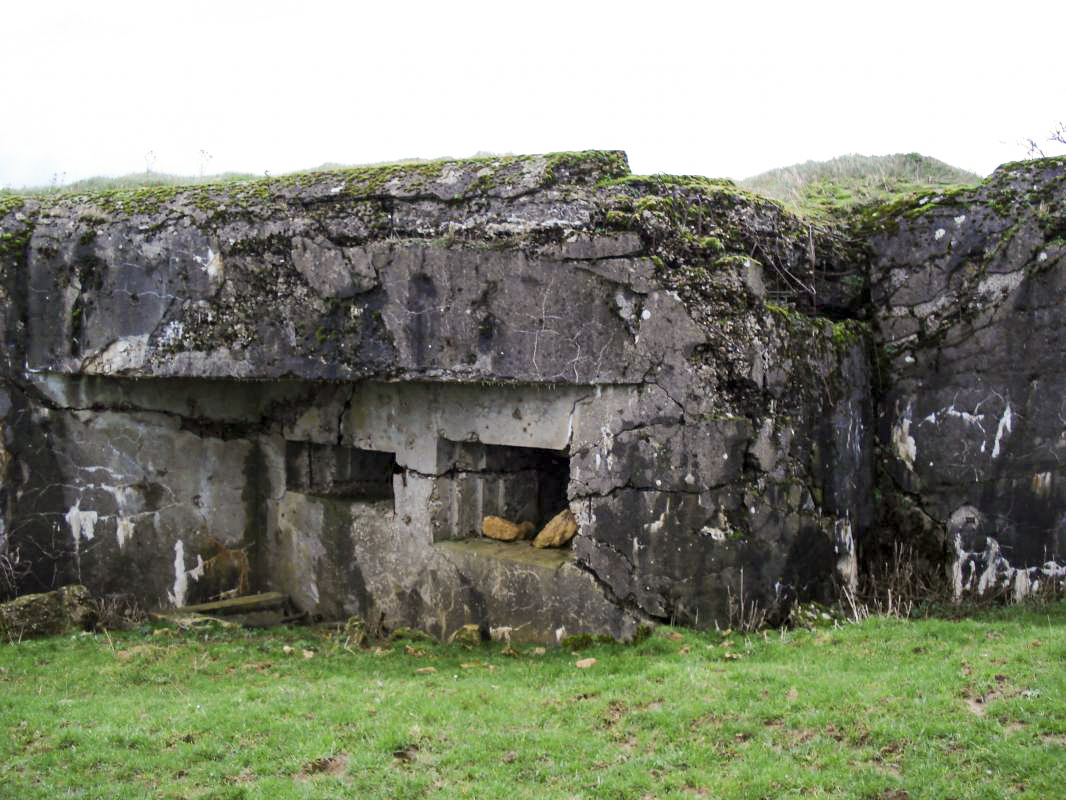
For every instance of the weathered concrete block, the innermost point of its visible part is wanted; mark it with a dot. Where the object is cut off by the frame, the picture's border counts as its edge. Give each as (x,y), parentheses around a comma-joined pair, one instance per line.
(968,291)
(69,608)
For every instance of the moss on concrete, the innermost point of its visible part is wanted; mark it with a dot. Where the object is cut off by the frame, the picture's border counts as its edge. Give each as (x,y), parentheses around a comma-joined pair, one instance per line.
(16,228)
(10,203)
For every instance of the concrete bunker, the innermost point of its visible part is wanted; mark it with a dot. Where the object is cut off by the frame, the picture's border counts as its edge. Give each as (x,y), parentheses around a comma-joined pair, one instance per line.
(344,377)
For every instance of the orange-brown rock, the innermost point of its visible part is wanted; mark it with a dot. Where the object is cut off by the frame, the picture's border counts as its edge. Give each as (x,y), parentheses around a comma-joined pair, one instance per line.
(504,530)
(559,530)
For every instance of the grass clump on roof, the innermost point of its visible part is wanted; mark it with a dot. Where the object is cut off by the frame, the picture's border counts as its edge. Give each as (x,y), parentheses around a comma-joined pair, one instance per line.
(827,188)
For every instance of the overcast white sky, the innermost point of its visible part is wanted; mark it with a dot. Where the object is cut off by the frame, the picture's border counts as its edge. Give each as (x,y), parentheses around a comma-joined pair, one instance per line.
(725,89)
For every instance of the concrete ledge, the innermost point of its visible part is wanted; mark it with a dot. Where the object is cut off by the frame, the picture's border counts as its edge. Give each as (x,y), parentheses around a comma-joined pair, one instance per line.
(517,552)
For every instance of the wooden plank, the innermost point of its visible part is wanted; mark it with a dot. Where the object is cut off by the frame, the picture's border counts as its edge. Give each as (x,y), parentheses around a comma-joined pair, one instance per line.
(238,605)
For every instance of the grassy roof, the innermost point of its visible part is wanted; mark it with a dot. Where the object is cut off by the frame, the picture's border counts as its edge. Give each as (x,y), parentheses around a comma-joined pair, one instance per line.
(821,188)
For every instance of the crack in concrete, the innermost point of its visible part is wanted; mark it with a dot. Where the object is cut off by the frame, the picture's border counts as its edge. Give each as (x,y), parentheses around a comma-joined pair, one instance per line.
(629,602)
(343,414)
(628,486)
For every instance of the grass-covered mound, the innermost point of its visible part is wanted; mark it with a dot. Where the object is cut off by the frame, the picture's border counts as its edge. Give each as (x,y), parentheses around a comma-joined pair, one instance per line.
(818,188)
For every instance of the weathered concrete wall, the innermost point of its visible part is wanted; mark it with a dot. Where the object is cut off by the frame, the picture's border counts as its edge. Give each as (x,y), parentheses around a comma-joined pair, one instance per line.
(969,292)
(319,384)
(153,502)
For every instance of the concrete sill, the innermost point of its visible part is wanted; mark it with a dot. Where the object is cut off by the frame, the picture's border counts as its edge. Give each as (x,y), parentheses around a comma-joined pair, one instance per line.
(517,552)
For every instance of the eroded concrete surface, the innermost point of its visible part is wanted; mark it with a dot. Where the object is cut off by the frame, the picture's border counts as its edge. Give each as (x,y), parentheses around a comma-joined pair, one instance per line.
(321,384)
(969,292)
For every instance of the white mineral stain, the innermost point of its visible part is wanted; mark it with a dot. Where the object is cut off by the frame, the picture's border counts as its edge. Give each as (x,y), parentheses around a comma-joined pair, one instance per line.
(715,533)
(82,523)
(957,567)
(212,264)
(905,446)
(181,579)
(125,353)
(124,531)
(606,443)
(1042,484)
(1023,585)
(657,526)
(992,558)
(847,557)
(966,417)
(172,332)
(182,575)
(1002,429)
(989,570)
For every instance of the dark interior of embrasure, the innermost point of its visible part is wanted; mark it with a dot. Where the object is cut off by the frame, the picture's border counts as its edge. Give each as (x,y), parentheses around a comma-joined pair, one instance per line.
(340,472)
(519,484)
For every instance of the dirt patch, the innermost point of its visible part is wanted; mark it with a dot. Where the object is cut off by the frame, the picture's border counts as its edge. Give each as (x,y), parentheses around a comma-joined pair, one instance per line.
(833,732)
(138,651)
(709,720)
(242,777)
(978,703)
(406,754)
(615,712)
(331,765)
(801,735)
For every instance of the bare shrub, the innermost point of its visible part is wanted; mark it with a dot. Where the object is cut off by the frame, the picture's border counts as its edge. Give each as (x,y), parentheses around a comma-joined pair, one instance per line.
(118,612)
(1057,136)
(12,571)
(744,616)
(1049,591)
(226,569)
(895,587)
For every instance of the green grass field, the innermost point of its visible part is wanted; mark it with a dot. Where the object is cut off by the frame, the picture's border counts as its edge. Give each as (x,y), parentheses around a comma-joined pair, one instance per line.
(974,708)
